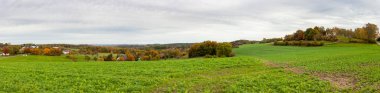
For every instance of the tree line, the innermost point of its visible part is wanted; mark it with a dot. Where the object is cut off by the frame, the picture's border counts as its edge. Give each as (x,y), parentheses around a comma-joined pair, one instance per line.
(365,34)
(108,53)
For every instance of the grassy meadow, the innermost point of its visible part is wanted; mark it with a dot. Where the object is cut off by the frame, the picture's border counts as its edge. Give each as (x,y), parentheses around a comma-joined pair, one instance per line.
(358,63)
(256,68)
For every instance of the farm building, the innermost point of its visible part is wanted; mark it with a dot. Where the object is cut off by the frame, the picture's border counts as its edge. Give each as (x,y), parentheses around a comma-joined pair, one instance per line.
(66,52)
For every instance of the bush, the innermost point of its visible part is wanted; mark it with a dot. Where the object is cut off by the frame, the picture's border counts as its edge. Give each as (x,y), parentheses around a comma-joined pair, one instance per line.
(357,41)
(299,43)
(95,59)
(72,58)
(130,57)
(280,43)
(109,58)
(151,55)
(210,48)
(223,50)
(210,56)
(101,59)
(87,58)
(35,51)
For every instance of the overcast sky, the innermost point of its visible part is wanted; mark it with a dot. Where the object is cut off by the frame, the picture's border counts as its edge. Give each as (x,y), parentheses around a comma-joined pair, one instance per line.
(173,21)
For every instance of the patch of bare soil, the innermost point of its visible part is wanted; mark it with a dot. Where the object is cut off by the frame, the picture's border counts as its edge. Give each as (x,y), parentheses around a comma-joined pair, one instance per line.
(286,67)
(341,81)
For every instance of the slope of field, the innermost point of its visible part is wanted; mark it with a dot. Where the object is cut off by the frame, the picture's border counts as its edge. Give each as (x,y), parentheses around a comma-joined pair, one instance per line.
(32,58)
(257,68)
(239,74)
(357,65)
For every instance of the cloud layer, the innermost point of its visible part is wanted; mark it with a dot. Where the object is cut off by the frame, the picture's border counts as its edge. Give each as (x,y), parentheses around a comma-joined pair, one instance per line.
(173,21)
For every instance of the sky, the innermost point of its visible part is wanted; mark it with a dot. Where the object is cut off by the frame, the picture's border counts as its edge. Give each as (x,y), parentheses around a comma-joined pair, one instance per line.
(173,21)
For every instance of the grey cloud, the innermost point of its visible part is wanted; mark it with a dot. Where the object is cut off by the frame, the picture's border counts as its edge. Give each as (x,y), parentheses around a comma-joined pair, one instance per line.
(172,21)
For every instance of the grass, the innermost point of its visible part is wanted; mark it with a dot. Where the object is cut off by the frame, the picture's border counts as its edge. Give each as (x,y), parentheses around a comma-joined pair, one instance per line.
(362,61)
(248,72)
(239,74)
(33,58)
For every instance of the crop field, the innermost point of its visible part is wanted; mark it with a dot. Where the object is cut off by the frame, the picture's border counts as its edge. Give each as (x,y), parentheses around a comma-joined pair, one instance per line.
(354,67)
(257,68)
(239,74)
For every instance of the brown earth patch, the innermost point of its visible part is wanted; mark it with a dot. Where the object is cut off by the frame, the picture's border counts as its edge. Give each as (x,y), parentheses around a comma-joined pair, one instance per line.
(342,81)
(286,67)
(339,80)
(271,64)
(295,70)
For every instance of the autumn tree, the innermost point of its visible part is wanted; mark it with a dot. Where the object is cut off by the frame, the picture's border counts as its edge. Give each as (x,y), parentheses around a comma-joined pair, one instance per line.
(289,38)
(27,50)
(194,50)
(46,51)
(310,34)
(6,50)
(299,35)
(360,33)
(55,52)
(131,57)
(35,51)
(151,55)
(372,32)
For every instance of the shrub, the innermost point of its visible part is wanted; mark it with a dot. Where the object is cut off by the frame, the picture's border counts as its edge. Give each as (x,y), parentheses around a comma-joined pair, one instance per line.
(109,58)
(151,55)
(95,59)
(232,54)
(35,51)
(55,52)
(280,43)
(299,43)
(72,58)
(210,48)
(210,56)
(52,52)
(223,50)
(87,58)
(101,59)
(194,50)
(130,57)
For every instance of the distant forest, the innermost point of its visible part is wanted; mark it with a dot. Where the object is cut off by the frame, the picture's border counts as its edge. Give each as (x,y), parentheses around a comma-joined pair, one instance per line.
(365,34)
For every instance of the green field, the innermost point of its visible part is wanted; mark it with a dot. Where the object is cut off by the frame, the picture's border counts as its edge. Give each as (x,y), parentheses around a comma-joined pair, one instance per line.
(357,66)
(257,68)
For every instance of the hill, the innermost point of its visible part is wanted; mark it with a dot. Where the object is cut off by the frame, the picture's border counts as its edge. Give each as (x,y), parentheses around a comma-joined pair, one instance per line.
(257,68)
(347,66)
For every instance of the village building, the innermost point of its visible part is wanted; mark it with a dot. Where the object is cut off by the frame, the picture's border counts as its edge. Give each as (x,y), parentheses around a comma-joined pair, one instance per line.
(66,52)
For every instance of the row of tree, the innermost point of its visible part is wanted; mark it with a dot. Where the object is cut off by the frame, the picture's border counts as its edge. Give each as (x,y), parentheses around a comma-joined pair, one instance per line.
(133,54)
(93,53)
(298,43)
(237,43)
(368,33)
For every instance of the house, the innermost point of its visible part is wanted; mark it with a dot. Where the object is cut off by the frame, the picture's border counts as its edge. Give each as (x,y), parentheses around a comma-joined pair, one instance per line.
(121,57)
(5,54)
(66,52)
(29,46)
